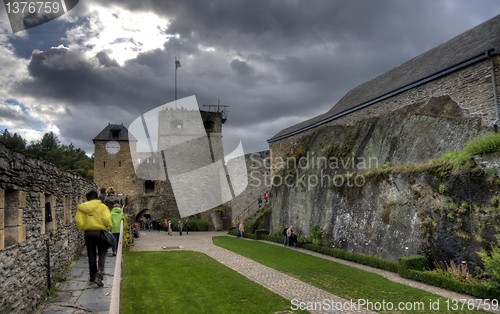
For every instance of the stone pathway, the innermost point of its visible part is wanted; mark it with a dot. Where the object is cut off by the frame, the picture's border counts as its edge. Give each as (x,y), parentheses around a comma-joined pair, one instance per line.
(77,295)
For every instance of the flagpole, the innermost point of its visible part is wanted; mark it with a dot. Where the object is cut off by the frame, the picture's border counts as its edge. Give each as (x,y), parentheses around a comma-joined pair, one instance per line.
(175,64)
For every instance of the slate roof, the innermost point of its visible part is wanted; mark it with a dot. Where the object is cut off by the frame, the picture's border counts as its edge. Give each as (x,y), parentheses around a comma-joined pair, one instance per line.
(462,50)
(107,134)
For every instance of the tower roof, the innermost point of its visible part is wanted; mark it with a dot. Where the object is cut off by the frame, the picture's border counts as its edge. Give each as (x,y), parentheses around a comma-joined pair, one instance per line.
(114,132)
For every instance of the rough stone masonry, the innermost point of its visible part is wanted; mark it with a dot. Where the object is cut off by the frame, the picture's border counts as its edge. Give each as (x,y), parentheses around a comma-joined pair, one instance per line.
(37,205)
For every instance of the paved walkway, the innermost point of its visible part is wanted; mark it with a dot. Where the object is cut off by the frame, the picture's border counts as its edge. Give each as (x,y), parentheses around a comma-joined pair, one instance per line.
(77,295)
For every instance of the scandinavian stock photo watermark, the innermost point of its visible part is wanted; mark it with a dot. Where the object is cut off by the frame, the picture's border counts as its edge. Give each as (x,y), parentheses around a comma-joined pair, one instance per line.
(309,171)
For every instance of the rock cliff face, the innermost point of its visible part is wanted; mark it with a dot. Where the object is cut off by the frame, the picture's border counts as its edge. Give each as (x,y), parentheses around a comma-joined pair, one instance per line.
(356,183)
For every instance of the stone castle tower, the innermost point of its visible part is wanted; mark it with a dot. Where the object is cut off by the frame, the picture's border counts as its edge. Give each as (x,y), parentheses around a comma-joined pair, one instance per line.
(141,176)
(113,160)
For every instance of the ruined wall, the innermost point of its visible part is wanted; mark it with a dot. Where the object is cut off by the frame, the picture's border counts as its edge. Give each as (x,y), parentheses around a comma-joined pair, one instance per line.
(37,206)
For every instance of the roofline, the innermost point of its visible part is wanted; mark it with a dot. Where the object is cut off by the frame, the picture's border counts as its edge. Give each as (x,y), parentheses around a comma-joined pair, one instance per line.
(481,57)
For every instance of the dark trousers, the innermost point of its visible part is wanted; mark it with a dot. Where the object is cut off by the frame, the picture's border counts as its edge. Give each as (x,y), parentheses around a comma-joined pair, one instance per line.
(95,248)
(117,237)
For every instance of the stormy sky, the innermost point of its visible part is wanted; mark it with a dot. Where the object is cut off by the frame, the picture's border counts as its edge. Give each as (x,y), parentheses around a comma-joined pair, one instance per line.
(276,63)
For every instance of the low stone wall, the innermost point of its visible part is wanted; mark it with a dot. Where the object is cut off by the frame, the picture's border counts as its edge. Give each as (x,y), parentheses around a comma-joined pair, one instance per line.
(37,208)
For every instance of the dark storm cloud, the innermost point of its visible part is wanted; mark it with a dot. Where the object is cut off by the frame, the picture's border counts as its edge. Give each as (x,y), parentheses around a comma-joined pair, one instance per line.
(66,75)
(275,62)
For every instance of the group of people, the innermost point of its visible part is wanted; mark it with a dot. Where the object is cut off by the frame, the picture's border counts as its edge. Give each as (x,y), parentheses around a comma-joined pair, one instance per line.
(167,226)
(103,212)
(289,236)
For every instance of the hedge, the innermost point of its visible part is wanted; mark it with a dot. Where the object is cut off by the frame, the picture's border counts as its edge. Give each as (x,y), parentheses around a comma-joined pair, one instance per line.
(480,290)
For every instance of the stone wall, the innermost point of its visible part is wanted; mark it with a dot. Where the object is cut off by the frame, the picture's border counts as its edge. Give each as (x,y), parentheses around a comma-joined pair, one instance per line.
(37,206)
(445,215)
(335,178)
(258,166)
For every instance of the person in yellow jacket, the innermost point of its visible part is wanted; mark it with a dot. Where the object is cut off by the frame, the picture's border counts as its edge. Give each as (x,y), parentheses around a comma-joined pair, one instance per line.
(92,217)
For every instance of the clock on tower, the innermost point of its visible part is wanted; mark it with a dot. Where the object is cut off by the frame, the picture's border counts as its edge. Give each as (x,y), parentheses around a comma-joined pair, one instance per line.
(112,147)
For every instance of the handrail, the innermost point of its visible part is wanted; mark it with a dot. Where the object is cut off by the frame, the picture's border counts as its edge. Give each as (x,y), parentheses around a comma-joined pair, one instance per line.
(114,306)
(243,211)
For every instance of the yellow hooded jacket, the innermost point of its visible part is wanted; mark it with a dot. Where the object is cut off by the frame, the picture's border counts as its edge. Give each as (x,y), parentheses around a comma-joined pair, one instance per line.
(92,215)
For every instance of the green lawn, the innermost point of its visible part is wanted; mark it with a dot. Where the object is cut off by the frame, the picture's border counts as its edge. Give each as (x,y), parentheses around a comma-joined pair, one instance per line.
(341,280)
(190,282)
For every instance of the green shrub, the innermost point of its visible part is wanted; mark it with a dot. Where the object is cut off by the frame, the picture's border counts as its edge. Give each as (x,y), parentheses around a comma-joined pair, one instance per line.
(353,257)
(478,289)
(233,231)
(198,225)
(272,238)
(259,233)
(492,263)
(414,262)
(127,233)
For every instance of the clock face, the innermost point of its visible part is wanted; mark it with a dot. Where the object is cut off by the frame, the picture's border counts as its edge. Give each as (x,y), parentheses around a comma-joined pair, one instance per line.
(112,147)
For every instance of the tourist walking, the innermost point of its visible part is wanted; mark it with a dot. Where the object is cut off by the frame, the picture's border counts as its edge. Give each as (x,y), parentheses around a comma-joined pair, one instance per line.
(292,237)
(241,230)
(285,236)
(102,194)
(111,198)
(170,227)
(116,218)
(179,227)
(93,217)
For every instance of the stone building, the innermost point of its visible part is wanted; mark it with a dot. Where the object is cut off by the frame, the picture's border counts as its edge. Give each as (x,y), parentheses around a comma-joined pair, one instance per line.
(38,238)
(138,165)
(430,105)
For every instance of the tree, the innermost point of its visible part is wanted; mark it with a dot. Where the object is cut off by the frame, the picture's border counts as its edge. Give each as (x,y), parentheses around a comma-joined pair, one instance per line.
(12,141)
(49,148)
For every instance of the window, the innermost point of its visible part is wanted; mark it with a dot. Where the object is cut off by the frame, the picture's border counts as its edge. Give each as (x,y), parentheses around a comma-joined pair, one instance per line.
(14,229)
(149,186)
(49,212)
(209,125)
(115,134)
(176,124)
